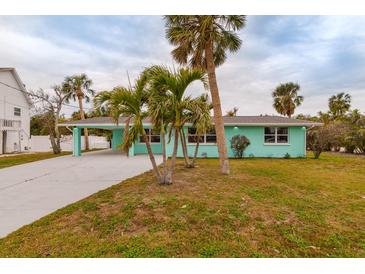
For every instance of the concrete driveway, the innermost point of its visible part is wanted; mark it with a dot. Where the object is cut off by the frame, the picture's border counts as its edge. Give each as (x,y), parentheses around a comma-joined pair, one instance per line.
(30,191)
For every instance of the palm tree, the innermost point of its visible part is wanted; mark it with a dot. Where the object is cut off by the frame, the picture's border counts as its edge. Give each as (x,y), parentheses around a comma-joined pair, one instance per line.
(159,112)
(354,116)
(232,112)
(169,86)
(78,86)
(339,104)
(198,114)
(201,121)
(286,98)
(131,103)
(202,42)
(324,117)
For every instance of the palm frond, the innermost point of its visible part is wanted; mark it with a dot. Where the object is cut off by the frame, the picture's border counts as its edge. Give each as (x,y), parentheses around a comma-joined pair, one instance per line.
(190,35)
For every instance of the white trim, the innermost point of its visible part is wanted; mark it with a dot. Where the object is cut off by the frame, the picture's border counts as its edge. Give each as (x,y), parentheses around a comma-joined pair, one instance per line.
(202,144)
(305,142)
(121,125)
(188,124)
(274,124)
(277,144)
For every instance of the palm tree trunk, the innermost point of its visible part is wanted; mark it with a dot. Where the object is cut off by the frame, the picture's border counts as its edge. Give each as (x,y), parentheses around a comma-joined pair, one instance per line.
(125,134)
(164,162)
(218,118)
(173,157)
(82,115)
(196,150)
(184,148)
(152,157)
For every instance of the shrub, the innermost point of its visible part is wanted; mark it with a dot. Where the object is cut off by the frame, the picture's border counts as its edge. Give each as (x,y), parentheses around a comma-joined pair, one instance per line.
(321,138)
(238,144)
(355,141)
(287,156)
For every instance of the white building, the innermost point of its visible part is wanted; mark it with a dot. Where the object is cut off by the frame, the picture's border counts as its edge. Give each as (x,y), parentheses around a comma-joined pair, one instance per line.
(14,113)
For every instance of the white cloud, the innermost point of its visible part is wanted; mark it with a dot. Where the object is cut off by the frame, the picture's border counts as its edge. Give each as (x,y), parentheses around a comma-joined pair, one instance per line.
(324,55)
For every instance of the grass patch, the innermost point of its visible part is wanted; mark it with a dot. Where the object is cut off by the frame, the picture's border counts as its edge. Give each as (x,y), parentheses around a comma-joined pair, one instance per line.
(265,208)
(18,159)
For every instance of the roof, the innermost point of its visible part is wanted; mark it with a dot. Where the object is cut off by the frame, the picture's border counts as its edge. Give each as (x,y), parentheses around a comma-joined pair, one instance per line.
(19,81)
(233,121)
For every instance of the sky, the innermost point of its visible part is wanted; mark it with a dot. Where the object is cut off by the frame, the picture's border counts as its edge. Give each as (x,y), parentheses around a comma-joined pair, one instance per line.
(325,55)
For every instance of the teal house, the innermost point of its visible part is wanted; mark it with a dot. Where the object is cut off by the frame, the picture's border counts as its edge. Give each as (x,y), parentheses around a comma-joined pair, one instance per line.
(270,136)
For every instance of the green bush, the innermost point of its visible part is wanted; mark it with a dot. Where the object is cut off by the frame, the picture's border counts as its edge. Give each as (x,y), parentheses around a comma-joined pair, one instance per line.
(238,144)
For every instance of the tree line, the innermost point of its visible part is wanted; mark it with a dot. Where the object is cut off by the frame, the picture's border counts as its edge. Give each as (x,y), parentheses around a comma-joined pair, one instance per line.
(342,128)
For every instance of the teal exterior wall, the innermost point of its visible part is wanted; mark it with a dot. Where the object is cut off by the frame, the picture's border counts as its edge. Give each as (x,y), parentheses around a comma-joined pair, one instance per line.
(257,148)
(140,148)
(296,146)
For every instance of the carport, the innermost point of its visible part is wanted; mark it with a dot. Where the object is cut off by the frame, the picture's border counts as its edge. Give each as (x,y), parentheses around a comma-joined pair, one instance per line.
(97,123)
(108,123)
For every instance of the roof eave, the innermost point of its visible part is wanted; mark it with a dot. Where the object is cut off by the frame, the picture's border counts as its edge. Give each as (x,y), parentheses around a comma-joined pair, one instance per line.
(226,124)
(20,83)
(273,124)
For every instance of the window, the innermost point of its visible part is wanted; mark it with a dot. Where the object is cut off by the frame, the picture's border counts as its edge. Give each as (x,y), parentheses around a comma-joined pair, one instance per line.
(208,138)
(192,137)
(282,135)
(152,135)
(17,111)
(276,135)
(270,134)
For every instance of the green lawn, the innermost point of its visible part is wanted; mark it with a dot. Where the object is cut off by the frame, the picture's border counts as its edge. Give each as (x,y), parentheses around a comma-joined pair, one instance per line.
(265,208)
(18,159)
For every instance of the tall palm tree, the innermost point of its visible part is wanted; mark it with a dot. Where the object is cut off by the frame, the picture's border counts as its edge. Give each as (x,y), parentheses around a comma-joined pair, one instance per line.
(286,98)
(78,86)
(169,86)
(339,104)
(202,42)
(131,103)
